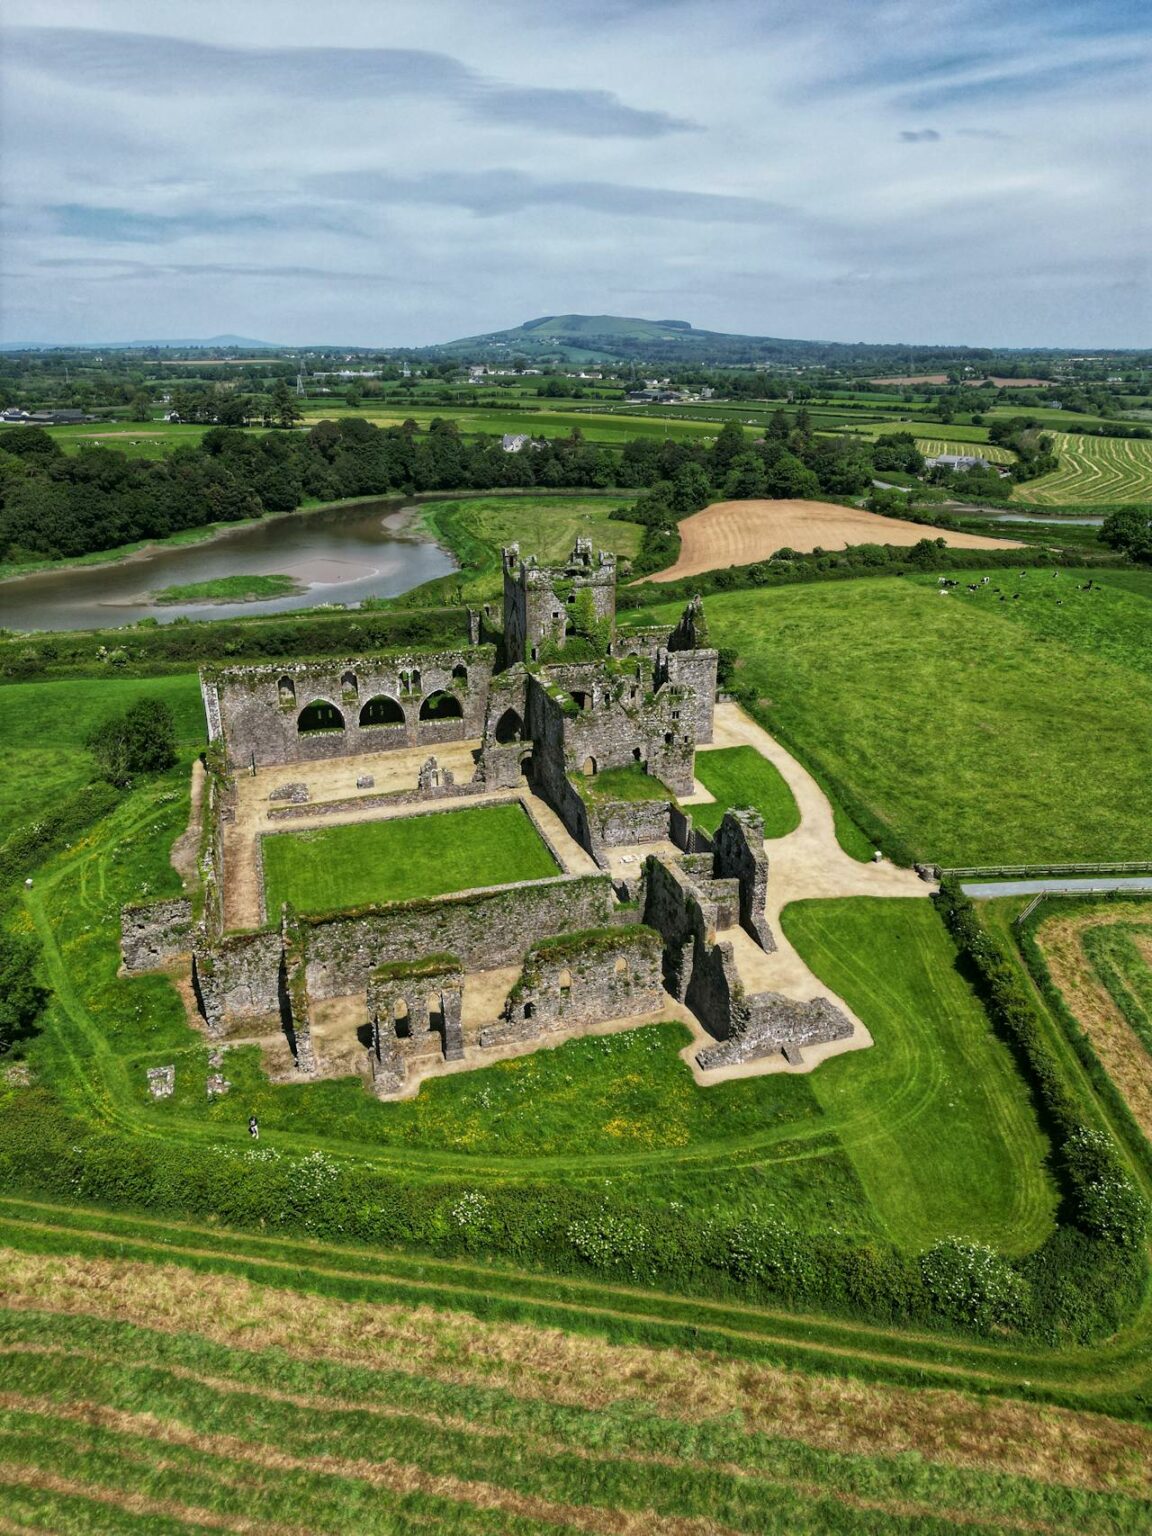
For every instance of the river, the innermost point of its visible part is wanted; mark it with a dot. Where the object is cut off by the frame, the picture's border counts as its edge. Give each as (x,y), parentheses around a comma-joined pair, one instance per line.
(338,554)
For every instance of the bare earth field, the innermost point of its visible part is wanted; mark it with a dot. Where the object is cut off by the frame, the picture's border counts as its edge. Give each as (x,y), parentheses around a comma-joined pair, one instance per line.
(739,532)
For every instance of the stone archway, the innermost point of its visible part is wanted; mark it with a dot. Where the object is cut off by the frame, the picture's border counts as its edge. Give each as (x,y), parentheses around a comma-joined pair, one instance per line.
(381,710)
(320,715)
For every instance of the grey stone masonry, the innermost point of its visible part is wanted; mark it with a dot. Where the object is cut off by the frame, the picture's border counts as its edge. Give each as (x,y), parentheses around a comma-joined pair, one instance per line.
(485,928)
(545,605)
(579,980)
(414,1008)
(295,1012)
(739,854)
(153,936)
(296,711)
(777,1023)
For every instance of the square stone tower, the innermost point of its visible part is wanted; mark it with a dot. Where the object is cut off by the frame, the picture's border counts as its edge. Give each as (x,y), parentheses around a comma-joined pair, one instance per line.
(544,606)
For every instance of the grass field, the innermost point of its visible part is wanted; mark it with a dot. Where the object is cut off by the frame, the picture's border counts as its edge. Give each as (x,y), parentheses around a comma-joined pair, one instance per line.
(598,426)
(190,1403)
(741,776)
(43,726)
(957,1132)
(1095,471)
(477,528)
(981,731)
(632,782)
(1120,954)
(229,589)
(403,858)
(149,1397)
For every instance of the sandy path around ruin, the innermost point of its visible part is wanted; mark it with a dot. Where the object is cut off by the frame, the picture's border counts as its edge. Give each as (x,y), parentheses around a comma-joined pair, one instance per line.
(739,532)
(807,864)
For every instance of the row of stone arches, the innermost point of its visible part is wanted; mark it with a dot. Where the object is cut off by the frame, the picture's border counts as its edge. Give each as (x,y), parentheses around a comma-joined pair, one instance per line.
(323,715)
(410,682)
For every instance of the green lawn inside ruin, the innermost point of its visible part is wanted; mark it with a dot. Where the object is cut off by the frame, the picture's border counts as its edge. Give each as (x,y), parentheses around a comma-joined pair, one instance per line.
(403,859)
(739,776)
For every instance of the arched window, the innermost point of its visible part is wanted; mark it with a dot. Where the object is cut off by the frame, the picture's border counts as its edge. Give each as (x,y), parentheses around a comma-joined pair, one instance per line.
(460,673)
(381,711)
(287,690)
(581,700)
(509,727)
(349,684)
(635,754)
(621,966)
(319,716)
(564,981)
(668,738)
(400,1020)
(588,767)
(529,1010)
(441,706)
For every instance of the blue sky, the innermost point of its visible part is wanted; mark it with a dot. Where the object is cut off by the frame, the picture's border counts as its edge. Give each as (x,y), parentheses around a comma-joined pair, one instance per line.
(399,172)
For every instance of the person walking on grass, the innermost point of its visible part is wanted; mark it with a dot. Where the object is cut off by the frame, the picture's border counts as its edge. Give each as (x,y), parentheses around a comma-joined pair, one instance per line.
(253,1128)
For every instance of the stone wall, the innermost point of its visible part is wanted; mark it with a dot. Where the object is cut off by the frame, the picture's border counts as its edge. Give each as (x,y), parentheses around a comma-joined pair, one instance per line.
(540,601)
(618,823)
(485,929)
(581,980)
(414,1007)
(259,707)
(154,935)
(777,1023)
(239,977)
(739,853)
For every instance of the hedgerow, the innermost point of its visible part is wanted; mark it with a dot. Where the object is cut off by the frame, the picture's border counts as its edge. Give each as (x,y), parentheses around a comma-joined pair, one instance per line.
(1093,1269)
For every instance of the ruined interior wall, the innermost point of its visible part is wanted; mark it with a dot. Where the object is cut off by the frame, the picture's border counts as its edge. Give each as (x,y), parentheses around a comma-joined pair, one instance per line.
(155,934)
(239,977)
(739,853)
(778,1023)
(485,928)
(582,980)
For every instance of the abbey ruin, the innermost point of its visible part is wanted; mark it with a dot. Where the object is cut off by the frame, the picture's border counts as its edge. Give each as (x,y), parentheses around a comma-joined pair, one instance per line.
(638,922)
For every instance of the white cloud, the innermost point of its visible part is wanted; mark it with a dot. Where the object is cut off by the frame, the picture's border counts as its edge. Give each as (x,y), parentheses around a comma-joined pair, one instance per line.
(861,169)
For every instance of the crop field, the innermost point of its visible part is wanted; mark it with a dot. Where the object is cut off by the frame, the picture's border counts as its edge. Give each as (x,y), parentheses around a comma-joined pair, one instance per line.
(979,730)
(1099,954)
(932,446)
(741,776)
(742,532)
(1095,471)
(402,858)
(43,727)
(599,426)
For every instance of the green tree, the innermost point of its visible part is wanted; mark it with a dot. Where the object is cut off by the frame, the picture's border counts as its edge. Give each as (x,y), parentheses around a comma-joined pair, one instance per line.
(141,740)
(141,406)
(285,412)
(1129,530)
(21,995)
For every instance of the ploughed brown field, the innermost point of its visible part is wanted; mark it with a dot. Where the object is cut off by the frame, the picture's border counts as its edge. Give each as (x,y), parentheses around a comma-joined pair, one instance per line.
(739,532)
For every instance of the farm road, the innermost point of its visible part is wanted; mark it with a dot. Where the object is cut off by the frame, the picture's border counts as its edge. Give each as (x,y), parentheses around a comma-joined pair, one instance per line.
(1081,887)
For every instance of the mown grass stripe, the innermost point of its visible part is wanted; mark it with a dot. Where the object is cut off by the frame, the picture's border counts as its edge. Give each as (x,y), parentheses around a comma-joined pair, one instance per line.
(688,1473)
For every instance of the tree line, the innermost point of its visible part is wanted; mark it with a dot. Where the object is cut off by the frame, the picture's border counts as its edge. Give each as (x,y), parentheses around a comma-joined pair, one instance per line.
(57,504)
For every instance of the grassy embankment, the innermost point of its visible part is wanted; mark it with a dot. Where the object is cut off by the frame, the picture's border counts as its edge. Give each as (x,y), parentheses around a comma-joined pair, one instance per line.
(402,859)
(978,730)
(230,589)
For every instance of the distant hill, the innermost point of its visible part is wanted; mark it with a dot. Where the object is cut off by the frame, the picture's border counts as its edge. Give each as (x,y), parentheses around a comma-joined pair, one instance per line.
(591,338)
(186,343)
